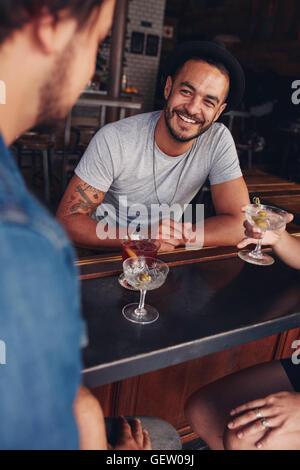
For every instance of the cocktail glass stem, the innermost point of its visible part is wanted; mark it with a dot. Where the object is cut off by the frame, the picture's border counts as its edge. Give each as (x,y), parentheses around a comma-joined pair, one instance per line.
(257,252)
(140,310)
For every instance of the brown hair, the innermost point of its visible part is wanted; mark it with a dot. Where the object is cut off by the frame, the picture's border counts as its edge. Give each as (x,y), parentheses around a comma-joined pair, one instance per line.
(14,14)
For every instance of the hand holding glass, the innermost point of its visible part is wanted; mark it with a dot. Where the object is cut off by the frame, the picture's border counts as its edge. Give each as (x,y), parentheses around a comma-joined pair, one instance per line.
(264,218)
(144,274)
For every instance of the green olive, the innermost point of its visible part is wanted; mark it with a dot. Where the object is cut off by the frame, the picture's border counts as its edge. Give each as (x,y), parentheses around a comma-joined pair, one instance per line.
(262,213)
(260,222)
(144,277)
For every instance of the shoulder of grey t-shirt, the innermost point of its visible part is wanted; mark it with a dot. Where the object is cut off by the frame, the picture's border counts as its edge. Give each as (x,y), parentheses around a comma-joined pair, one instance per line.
(224,163)
(125,130)
(109,149)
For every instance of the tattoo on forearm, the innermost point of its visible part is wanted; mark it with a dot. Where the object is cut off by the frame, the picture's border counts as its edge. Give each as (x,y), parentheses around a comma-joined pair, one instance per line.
(86,204)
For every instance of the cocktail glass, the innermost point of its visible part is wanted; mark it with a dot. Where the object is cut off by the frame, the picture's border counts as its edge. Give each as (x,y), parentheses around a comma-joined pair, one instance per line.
(145,274)
(264,218)
(135,248)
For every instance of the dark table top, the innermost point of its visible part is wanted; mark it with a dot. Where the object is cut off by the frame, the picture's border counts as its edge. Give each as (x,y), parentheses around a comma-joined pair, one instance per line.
(204,308)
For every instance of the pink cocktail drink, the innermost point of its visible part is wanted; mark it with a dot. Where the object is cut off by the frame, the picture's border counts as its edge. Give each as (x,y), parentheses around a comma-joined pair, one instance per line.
(135,248)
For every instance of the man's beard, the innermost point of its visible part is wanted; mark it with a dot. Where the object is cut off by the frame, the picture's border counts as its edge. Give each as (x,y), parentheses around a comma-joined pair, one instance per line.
(168,113)
(52,112)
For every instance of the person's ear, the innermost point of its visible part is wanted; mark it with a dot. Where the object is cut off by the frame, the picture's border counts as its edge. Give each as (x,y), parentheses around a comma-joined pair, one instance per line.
(220,111)
(52,34)
(168,87)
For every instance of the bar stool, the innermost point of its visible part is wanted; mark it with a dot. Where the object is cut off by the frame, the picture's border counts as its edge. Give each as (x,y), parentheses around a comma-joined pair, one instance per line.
(38,144)
(163,435)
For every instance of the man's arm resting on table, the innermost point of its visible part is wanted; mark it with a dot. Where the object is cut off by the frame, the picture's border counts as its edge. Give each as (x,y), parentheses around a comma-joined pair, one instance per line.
(77,206)
(226,228)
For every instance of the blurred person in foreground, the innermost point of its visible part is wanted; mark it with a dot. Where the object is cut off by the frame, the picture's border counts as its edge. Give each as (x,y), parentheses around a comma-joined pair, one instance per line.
(257,408)
(47,56)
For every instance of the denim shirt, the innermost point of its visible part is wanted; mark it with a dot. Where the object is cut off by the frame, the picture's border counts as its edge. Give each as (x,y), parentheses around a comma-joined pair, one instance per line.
(40,323)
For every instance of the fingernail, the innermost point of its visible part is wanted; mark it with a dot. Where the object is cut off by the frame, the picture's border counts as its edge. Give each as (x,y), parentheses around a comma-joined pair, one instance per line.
(240,435)
(259,446)
(230,425)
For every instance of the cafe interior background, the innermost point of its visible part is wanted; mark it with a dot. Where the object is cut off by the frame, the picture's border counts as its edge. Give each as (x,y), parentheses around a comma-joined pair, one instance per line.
(263,34)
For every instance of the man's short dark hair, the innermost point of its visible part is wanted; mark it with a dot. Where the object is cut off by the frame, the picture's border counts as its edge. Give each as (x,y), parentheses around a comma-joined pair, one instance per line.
(219,65)
(14,14)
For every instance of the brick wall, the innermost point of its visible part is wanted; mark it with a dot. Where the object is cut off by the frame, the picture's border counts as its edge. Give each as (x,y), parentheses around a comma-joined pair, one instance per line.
(141,69)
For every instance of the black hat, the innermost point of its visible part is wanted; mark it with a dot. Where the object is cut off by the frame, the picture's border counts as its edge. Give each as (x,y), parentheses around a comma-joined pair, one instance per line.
(209,50)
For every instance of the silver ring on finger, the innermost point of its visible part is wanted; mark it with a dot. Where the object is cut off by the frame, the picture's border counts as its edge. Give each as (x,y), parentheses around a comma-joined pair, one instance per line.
(265,423)
(258,413)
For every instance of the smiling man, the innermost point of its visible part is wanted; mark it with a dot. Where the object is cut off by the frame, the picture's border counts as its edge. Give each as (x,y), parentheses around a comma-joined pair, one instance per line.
(163,158)
(186,120)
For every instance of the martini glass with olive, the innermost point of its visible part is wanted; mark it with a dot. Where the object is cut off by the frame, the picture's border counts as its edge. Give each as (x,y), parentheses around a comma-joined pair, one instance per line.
(145,274)
(134,248)
(264,218)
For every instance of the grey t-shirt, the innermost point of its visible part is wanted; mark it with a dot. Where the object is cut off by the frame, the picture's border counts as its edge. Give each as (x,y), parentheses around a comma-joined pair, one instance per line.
(119,162)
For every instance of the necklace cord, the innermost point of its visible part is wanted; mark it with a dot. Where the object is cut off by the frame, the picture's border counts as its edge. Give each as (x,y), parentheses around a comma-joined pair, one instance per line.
(180,175)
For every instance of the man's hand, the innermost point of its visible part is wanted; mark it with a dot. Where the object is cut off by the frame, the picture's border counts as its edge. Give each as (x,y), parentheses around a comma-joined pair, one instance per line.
(171,234)
(280,410)
(132,437)
(270,237)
